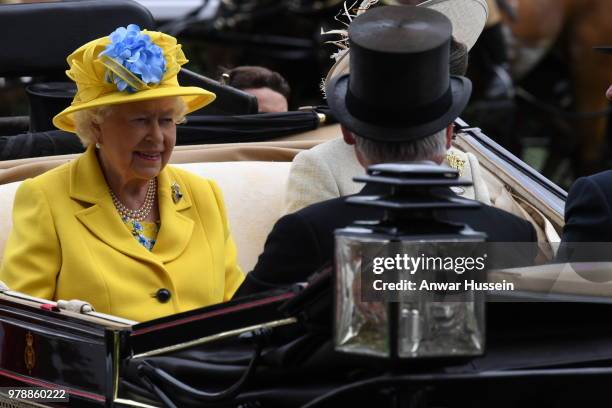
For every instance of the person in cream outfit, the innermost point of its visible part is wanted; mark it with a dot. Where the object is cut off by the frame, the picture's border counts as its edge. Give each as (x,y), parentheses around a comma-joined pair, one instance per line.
(327,170)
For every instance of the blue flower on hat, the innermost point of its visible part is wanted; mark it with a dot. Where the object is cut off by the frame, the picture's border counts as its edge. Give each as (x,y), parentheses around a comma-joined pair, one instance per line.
(135,61)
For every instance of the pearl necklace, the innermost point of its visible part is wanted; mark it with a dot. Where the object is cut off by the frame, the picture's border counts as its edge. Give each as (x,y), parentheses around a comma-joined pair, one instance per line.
(141,213)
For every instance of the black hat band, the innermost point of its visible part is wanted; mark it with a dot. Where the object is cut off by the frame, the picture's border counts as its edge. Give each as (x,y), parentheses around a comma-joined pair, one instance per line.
(414,116)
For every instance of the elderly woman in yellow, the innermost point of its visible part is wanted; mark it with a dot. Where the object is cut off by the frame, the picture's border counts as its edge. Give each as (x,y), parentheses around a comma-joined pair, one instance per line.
(117,227)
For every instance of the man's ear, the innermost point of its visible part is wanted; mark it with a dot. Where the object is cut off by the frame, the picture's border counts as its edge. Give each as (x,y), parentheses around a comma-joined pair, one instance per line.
(348,137)
(449,135)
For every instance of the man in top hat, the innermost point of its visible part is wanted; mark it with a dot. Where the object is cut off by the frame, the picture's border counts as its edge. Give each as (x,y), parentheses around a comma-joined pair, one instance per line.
(588,209)
(399,103)
(327,170)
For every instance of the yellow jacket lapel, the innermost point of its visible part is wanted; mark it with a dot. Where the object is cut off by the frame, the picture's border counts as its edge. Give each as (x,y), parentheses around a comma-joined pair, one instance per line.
(176,228)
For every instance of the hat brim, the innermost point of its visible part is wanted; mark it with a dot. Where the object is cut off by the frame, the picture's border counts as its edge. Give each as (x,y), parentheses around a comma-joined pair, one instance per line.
(461,88)
(194,97)
(468,18)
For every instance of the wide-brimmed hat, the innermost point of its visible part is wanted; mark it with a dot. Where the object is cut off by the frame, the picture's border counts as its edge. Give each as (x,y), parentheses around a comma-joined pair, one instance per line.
(468,18)
(129,65)
(399,87)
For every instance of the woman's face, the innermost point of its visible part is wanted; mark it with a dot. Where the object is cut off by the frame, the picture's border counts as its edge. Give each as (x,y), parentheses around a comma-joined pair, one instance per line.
(136,139)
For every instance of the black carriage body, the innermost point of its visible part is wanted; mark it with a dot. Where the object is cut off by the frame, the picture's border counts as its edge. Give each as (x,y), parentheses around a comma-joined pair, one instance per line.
(44,347)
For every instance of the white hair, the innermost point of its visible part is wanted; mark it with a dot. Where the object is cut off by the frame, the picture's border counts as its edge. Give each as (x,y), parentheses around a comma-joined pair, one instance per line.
(84,120)
(429,148)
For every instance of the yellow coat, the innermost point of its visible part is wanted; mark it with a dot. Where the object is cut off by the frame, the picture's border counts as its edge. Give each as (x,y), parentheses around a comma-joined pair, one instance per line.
(68,242)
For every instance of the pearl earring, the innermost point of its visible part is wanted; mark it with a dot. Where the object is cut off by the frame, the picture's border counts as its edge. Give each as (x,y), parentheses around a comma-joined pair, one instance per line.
(97,145)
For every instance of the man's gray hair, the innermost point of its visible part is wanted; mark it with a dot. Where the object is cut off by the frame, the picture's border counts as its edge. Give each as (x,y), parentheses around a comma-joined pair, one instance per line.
(429,148)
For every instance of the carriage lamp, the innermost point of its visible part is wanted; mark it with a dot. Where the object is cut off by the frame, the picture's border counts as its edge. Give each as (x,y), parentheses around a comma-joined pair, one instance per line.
(402,282)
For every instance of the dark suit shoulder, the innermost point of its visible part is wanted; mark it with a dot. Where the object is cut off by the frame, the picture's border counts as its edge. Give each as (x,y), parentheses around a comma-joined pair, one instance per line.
(499,225)
(588,210)
(302,242)
(590,190)
(602,179)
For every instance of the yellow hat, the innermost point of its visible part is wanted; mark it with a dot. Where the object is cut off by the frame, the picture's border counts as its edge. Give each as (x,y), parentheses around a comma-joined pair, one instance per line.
(130,65)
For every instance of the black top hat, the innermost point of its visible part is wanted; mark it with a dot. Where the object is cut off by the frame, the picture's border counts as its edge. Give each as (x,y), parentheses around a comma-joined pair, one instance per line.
(399,87)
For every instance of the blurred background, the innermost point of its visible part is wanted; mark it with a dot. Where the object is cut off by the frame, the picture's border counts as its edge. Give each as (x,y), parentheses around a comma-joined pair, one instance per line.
(539,85)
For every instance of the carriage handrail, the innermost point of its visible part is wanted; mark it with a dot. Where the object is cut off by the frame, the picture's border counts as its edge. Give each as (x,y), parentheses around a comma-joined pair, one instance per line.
(103,316)
(511,158)
(516,174)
